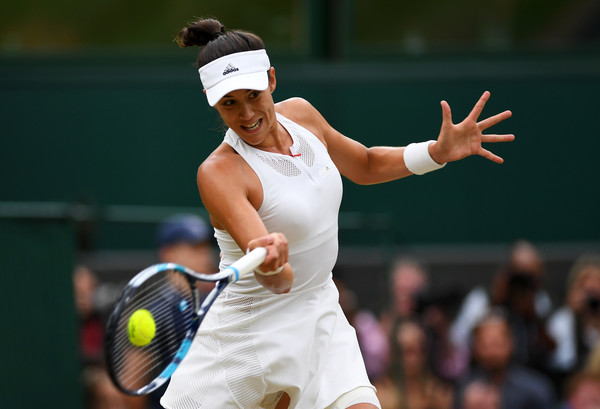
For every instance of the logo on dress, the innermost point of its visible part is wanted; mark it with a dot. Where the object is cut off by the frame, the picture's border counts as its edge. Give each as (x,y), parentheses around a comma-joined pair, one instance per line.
(229,69)
(325,170)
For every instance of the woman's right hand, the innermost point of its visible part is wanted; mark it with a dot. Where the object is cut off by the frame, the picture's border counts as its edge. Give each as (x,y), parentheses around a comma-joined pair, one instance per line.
(277,256)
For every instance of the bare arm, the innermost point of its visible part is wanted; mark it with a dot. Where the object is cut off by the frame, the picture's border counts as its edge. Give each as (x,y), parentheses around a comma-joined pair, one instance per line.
(228,189)
(355,161)
(380,164)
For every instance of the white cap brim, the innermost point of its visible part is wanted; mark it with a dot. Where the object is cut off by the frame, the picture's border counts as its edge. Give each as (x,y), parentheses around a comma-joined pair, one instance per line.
(245,70)
(258,81)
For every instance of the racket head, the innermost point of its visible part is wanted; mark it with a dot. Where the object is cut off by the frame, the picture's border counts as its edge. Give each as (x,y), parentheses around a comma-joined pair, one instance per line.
(168,293)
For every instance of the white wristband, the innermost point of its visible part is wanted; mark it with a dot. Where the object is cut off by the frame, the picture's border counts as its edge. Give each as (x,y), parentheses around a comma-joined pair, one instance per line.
(268,273)
(418,160)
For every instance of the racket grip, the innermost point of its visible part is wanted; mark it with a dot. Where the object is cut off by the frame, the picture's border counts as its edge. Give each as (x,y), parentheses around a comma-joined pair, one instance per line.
(248,263)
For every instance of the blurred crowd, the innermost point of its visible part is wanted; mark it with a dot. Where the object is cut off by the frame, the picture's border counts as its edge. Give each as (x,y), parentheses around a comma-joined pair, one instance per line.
(503,347)
(506,346)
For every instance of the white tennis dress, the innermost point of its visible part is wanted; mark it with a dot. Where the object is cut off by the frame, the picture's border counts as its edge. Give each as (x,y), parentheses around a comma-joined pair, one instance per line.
(253,345)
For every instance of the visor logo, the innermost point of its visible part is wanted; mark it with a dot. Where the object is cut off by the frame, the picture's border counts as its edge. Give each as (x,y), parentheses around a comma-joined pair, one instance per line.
(229,69)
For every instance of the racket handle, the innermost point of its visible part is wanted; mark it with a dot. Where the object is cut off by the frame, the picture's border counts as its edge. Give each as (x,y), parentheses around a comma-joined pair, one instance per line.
(248,263)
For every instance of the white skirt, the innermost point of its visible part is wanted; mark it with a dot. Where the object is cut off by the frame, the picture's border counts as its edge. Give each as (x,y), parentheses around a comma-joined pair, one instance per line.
(251,349)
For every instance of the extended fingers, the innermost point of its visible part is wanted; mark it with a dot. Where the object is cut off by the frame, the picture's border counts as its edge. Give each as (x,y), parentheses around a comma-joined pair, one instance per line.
(491,139)
(493,120)
(491,156)
(446,113)
(476,111)
(497,138)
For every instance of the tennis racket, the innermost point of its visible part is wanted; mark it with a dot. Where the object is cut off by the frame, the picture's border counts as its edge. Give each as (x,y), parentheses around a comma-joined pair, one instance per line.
(168,294)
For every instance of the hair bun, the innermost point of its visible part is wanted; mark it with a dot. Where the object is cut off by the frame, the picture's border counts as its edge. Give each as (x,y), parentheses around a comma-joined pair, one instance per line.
(200,33)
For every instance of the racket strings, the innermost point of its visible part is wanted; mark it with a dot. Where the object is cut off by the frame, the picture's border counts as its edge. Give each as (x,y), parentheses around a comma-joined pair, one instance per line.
(147,363)
(144,297)
(170,299)
(141,300)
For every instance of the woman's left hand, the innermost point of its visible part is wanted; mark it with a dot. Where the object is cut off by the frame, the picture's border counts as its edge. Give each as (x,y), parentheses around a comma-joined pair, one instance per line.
(457,141)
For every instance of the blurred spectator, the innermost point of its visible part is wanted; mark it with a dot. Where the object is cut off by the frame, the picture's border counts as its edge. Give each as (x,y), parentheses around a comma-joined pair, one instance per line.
(412,298)
(576,325)
(408,279)
(480,395)
(99,391)
(518,289)
(520,387)
(436,310)
(474,307)
(593,363)
(410,383)
(525,269)
(583,391)
(372,339)
(186,239)
(91,325)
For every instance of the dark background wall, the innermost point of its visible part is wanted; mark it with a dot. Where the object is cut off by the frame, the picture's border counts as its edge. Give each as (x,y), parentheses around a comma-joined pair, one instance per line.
(132,132)
(39,324)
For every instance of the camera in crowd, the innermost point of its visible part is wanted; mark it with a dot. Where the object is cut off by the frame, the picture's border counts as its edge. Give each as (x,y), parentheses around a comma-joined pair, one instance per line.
(447,299)
(520,281)
(592,304)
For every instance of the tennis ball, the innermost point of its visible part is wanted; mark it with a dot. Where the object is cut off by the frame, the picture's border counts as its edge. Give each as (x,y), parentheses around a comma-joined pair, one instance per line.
(141,328)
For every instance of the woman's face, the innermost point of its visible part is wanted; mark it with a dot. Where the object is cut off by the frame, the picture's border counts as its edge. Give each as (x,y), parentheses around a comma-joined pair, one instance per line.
(411,340)
(250,113)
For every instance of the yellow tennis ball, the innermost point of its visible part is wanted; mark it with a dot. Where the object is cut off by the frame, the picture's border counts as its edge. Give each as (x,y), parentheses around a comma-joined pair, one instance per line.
(141,328)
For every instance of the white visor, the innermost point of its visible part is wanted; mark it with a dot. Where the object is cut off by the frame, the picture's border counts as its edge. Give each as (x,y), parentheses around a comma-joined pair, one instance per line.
(245,70)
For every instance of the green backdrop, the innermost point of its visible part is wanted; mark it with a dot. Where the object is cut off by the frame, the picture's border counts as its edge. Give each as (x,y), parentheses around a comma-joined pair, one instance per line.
(39,327)
(131,130)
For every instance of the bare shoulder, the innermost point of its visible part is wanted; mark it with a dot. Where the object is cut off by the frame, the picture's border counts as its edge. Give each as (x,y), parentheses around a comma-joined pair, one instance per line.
(222,179)
(305,114)
(221,166)
(297,109)
(227,185)
(292,104)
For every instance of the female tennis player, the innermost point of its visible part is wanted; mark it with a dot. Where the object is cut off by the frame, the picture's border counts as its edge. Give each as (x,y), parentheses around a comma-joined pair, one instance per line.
(279,339)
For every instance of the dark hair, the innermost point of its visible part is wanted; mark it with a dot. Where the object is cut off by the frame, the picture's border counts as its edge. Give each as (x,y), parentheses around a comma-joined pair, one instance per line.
(216,40)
